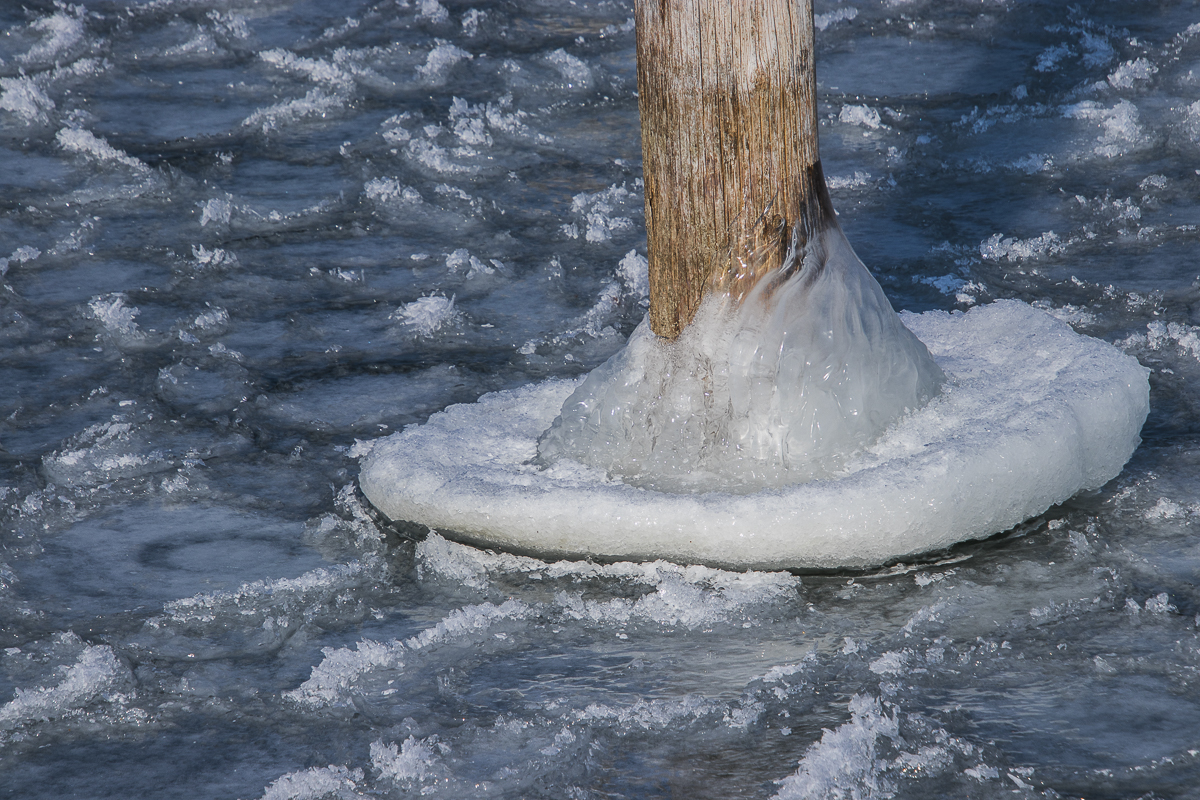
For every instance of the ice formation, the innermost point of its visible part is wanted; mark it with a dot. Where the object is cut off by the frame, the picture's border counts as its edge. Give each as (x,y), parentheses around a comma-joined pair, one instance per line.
(1031,414)
(777,389)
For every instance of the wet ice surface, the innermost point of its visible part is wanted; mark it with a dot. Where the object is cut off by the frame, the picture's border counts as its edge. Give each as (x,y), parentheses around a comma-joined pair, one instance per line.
(237,237)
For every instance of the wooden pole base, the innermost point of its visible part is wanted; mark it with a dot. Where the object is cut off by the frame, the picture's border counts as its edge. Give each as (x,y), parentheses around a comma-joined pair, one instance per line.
(727,95)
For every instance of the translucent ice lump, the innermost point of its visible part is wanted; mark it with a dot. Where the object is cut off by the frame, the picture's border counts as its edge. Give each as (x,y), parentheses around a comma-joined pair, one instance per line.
(775,390)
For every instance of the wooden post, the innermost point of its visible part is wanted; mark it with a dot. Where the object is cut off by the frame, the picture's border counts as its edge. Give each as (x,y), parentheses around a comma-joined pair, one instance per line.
(727,96)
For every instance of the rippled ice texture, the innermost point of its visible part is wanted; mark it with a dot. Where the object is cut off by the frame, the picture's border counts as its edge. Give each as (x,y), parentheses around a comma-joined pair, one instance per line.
(238,236)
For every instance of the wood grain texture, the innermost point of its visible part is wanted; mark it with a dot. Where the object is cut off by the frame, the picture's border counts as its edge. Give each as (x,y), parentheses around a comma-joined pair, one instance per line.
(727,95)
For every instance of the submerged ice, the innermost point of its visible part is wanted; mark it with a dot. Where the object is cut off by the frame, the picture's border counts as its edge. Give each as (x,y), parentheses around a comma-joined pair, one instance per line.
(779,388)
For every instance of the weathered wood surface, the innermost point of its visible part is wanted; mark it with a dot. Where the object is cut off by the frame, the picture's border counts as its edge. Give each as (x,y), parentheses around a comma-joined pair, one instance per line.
(727,95)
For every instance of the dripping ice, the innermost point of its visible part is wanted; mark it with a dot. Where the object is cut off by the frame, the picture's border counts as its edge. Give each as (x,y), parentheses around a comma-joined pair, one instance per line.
(777,389)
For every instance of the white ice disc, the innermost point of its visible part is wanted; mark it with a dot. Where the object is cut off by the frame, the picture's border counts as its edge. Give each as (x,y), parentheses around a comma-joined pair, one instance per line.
(1032,414)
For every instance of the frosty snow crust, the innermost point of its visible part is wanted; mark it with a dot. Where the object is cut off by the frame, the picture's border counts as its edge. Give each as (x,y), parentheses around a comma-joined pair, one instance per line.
(775,390)
(1032,414)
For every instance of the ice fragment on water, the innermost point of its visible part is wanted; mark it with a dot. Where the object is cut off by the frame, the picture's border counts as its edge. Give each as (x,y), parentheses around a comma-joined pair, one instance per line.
(1131,73)
(1048,59)
(433,11)
(86,143)
(823,21)
(115,316)
(95,676)
(425,316)
(217,210)
(23,97)
(1159,604)
(844,764)
(859,178)
(1013,249)
(577,74)
(412,761)
(315,103)
(863,115)
(20,256)
(60,32)
(634,272)
(440,59)
(1121,130)
(317,783)
(390,190)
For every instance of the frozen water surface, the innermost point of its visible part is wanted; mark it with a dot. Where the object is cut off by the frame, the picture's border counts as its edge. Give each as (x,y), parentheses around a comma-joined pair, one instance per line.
(218,224)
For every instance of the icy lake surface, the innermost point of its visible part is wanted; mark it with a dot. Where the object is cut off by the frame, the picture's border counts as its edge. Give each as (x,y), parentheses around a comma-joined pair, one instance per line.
(239,236)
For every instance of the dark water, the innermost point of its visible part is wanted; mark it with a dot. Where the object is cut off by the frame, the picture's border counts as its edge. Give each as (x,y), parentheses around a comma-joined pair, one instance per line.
(242,235)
